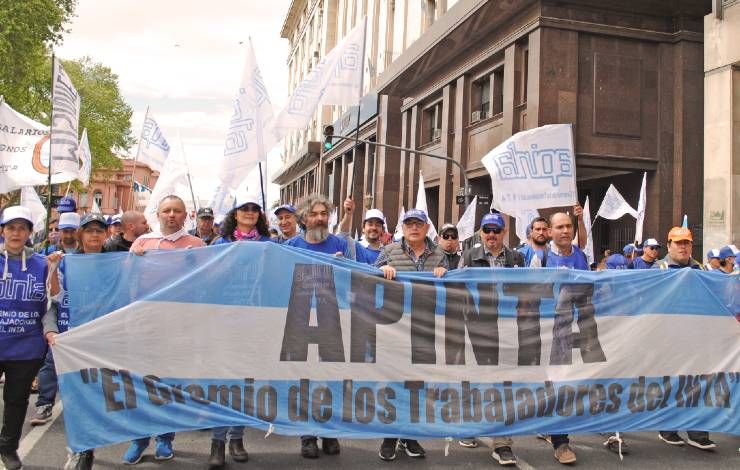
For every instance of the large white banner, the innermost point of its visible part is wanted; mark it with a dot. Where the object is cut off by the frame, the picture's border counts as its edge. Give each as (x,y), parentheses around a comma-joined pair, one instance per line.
(153,147)
(85,157)
(248,139)
(336,80)
(24,150)
(65,118)
(534,169)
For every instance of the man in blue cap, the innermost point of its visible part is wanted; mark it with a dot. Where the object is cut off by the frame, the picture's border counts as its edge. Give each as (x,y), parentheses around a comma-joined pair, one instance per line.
(66,204)
(727,260)
(287,222)
(712,259)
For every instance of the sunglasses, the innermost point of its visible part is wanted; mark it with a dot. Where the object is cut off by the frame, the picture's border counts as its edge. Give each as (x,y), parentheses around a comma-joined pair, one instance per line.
(249,208)
(496,230)
(449,236)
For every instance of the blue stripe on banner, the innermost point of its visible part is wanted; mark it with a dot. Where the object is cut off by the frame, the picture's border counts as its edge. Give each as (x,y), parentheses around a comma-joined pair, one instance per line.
(264,274)
(111,406)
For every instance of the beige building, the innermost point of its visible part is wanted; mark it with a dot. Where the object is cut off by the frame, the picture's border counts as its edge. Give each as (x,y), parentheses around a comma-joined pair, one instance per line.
(722,124)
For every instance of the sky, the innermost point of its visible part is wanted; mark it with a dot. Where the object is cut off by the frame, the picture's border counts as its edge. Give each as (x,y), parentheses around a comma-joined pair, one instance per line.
(184,59)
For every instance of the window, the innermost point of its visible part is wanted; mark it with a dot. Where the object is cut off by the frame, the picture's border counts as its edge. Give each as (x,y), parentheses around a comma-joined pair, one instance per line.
(83,200)
(430,13)
(114,201)
(98,199)
(525,72)
(497,84)
(432,123)
(481,97)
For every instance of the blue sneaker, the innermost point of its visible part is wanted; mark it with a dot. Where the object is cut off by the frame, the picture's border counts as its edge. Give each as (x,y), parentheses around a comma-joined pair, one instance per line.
(163,450)
(135,451)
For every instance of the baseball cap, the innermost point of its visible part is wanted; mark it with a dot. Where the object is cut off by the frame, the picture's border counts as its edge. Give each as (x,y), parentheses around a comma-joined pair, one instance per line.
(726,252)
(244,199)
(66,204)
(616,261)
(628,248)
(493,219)
(205,212)
(713,253)
(114,219)
(651,242)
(15,213)
(285,207)
(69,220)
(415,214)
(374,214)
(90,218)
(680,233)
(447,227)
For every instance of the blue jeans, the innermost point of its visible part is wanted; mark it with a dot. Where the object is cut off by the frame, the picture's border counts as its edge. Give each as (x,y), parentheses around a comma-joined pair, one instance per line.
(235,433)
(47,382)
(170,436)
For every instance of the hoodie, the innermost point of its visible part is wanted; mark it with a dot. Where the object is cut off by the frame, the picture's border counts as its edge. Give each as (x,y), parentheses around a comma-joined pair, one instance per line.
(23,305)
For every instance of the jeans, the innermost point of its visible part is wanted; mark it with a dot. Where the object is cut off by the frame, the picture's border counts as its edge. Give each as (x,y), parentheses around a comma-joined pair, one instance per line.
(235,433)
(19,376)
(47,382)
(558,440)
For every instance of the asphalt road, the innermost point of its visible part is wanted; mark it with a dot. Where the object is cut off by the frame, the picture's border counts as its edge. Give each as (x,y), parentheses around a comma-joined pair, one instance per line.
(43,448)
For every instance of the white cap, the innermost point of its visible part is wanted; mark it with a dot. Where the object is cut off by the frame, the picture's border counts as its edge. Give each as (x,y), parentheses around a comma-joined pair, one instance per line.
(16,212)
(374,214)
(651,242)
(246,198)
(69,220)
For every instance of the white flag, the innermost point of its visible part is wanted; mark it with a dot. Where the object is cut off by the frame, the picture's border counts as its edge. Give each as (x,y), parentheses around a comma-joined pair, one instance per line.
(641,209)
(153,147)
(248,139)
(24,150)
(589,249)
(398,232)
(31,200)
(83,152)
(421,204)
(533,169)
(333,220)
(614,206)
(523,219)
(65,119)
(466,224)
(337,79)
(173,179)
(221,202)
(96,208)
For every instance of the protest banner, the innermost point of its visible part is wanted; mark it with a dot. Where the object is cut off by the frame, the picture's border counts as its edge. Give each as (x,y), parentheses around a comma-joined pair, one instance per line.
(309,344)
(533,169)
(23,143)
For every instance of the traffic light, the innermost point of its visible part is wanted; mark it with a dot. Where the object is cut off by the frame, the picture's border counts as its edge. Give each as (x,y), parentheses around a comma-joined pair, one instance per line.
(328,137)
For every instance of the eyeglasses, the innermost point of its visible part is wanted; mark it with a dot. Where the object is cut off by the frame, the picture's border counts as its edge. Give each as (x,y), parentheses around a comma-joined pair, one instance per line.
(449,236)
(496,230)
(651,248)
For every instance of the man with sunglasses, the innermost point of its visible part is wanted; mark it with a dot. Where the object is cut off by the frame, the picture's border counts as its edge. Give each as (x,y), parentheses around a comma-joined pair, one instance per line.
(492,253)
(649,255)
(450,244)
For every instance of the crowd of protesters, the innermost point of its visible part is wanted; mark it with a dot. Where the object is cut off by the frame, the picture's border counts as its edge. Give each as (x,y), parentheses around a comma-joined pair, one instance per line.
(550,243)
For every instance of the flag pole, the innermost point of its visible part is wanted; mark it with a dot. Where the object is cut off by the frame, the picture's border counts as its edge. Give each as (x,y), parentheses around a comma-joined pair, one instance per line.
(262,189)
(51,126)
(136,159)
(187,172)
(359,108)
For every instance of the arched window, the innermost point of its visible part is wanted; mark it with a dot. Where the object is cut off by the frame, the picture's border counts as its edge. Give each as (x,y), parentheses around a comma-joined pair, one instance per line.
(98,198)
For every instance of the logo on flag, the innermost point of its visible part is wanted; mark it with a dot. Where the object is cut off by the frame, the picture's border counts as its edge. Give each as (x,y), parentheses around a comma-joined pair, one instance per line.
(153,147)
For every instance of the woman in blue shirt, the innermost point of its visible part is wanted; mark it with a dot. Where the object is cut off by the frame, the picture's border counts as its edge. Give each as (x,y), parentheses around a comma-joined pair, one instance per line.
(245,222)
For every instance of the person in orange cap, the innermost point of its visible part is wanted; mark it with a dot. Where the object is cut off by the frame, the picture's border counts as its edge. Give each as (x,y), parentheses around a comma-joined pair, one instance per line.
(680,242)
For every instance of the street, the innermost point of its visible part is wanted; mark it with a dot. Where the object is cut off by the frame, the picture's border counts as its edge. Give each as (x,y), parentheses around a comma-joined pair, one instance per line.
(43,448)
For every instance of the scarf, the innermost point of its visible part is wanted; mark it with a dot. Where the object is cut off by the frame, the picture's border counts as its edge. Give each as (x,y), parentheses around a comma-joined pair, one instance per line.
(173,237)
(248,236)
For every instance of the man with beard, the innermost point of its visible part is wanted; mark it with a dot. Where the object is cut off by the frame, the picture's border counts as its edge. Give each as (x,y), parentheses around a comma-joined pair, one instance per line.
(539,230)
(134,225)
(287,222)
(373,229)
(314,213)
(68,224)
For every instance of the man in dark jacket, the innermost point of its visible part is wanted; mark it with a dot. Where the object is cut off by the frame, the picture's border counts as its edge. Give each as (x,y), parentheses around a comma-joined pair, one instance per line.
(491,251)
(134,225)
(450,243)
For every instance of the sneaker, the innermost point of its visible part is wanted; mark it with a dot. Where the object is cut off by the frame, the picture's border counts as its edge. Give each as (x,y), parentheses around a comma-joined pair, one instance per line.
(671,437)
(703,443)
(135,451)
(309,449)
(42,416)
(613,444)
(504,455)
(469,442)
(163,450)
(330,446)
(544,437)
(11,460)
(388,449)
(85,460)
(412,448)
(564,454)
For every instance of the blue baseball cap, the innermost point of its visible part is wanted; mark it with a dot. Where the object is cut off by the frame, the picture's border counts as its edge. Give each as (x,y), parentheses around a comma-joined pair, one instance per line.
(285,207)
(493,219)
(628,249)
(415,214)
(66,204)
(713,253)
(616,261)
(726,252)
